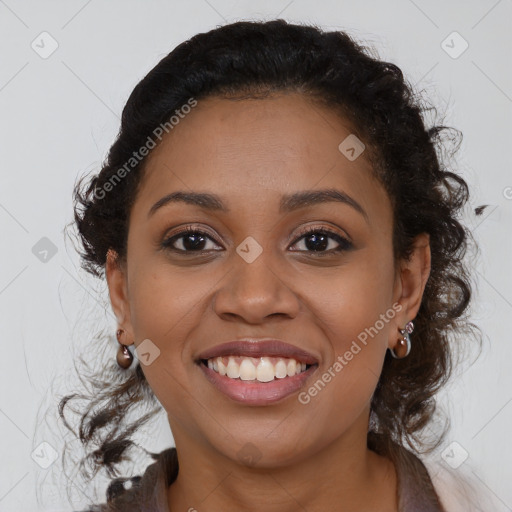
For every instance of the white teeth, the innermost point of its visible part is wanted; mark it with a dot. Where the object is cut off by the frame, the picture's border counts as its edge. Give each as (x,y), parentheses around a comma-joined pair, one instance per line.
(265,371)
(291,367)
(222,367)
(247,370)
(233,370)
(262,369)
(281,371)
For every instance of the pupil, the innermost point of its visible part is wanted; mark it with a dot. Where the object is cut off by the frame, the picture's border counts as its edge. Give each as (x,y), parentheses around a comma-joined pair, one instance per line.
(194,245)
(317,237)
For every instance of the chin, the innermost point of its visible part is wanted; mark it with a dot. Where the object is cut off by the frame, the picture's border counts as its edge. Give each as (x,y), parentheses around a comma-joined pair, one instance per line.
(265,453)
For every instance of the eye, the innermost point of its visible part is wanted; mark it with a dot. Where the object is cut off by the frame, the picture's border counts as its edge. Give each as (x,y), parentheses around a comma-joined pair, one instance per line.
(317,240)
(189,240)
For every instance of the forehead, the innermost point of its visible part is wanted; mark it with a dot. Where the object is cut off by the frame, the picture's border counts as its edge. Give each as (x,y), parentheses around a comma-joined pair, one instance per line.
(254,150)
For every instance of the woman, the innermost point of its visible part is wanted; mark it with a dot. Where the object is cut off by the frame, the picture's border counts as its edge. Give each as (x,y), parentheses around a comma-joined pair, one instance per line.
(281,247)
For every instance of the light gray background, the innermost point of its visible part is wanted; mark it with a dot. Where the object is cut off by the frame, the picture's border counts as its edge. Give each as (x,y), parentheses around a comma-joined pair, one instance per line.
(59,116)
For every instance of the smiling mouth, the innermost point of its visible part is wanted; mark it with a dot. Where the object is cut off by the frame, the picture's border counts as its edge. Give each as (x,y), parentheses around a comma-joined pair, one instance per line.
(256,369)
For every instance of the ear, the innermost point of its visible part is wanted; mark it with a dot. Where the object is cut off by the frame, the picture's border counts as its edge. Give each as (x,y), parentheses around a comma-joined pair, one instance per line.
(115,273)
(410,283)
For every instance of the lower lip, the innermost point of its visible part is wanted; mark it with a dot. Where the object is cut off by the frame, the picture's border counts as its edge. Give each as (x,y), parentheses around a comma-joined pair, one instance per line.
(255,392)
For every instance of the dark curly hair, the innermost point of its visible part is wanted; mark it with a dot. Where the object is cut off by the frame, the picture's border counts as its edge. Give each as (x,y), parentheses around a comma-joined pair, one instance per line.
(255,59)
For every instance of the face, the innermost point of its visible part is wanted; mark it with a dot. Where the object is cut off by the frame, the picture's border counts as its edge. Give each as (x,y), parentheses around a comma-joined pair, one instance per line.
(260,263)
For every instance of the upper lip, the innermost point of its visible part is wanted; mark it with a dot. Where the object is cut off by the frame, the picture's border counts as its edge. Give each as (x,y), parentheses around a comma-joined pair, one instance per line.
(252,347)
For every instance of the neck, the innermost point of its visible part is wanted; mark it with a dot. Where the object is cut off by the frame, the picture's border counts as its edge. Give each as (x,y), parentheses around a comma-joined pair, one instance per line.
(342,473)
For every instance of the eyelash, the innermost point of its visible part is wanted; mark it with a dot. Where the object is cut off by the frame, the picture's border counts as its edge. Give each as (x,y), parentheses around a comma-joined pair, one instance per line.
(344,244)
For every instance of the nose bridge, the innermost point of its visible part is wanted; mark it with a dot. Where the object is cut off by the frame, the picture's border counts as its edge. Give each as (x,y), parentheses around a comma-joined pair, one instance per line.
(254,265)
(254,288)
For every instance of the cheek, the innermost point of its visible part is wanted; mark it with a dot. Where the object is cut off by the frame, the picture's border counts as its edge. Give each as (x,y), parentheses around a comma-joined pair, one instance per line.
(165,308)
(357,325)
(350,299)
(354,309)
(165,303)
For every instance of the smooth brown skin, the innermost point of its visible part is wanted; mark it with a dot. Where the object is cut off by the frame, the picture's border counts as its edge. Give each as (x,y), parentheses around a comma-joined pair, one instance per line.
(250,152)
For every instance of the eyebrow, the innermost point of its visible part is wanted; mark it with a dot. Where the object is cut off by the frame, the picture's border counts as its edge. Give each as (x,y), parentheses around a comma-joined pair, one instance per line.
(288,203)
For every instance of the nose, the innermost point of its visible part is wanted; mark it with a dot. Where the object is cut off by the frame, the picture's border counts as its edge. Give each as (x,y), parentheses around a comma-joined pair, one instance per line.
(251,292)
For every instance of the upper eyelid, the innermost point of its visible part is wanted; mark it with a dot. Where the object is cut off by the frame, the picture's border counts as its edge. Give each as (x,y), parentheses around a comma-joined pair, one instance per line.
(329,230)
(304,231)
